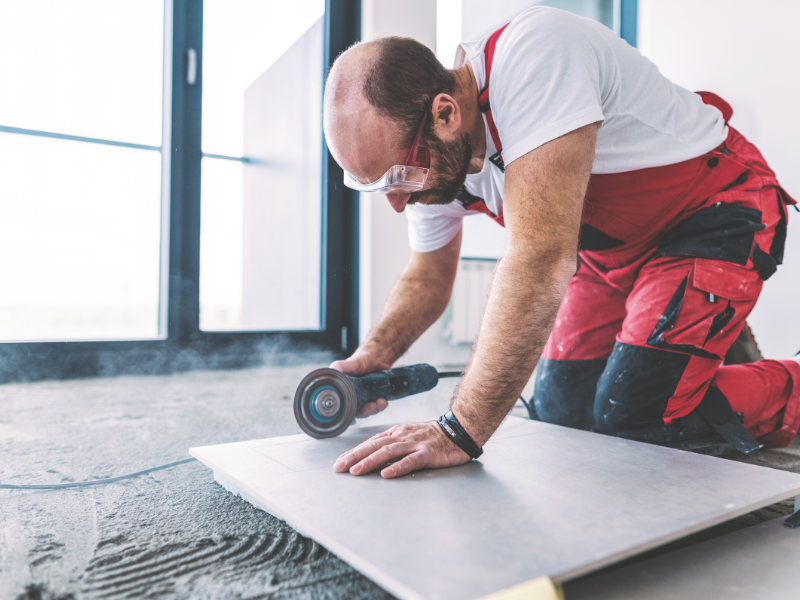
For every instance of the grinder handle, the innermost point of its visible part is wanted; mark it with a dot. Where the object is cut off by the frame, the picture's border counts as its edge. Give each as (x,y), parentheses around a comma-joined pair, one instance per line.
(393,384)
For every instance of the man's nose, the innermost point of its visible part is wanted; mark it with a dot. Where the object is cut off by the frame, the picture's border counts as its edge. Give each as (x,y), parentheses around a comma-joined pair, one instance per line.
(398,201)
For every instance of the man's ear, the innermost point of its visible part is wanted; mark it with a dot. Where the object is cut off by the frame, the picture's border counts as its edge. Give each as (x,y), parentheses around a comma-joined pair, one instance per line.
(446,114)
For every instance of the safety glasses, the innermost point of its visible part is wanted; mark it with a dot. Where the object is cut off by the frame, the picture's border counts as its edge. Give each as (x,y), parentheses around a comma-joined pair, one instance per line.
(406,178)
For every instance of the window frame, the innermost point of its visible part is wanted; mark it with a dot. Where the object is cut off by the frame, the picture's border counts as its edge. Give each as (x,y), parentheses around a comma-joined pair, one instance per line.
(629,21)
(186,346)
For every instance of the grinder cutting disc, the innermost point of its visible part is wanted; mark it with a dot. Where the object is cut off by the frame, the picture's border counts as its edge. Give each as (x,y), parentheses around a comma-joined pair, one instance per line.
(325,403)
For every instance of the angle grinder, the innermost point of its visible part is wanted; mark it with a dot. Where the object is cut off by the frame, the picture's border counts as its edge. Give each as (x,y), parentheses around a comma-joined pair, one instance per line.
(326,401)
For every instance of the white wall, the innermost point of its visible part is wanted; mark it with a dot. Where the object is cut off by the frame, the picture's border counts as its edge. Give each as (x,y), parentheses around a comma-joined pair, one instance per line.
(384,233)
(748,53)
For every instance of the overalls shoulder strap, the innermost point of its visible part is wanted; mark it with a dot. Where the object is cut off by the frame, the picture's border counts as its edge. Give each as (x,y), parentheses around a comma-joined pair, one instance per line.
(718,103)
(483,99)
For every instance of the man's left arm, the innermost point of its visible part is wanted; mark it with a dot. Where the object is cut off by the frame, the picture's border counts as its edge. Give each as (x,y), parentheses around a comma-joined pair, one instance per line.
(543,202)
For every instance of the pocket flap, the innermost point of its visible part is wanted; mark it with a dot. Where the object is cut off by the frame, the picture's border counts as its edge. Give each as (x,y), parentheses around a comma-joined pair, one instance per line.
(726,280)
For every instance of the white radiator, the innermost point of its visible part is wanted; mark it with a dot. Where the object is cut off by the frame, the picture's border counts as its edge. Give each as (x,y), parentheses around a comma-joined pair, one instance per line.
(470,292)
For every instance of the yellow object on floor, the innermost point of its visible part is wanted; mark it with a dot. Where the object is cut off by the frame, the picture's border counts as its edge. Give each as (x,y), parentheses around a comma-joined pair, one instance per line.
(541,588)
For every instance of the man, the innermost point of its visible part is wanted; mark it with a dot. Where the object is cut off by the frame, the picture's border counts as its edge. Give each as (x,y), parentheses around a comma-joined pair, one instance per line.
(568,137)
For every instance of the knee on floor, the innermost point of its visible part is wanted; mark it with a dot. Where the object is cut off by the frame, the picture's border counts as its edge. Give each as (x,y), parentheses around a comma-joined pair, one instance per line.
(610,415)
(635,388)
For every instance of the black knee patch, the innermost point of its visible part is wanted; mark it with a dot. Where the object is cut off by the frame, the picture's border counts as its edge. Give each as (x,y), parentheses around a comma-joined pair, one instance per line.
(564,391)
(635,387)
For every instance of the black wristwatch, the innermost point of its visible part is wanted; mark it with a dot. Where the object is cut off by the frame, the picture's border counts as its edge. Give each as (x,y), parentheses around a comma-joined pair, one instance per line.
(458,435)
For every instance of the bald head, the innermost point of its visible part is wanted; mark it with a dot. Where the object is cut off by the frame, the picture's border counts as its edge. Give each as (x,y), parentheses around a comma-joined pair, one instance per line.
(363,140)
(375,97)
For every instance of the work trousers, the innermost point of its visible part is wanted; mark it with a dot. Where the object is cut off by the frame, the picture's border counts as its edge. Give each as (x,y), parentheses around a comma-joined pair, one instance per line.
(671,262)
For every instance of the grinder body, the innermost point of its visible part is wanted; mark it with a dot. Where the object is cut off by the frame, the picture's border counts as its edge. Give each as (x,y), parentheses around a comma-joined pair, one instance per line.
(327,400)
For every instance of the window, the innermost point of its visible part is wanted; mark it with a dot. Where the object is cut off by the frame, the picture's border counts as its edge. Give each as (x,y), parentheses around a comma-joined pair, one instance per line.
(82,195)
(261,227)
(120,143)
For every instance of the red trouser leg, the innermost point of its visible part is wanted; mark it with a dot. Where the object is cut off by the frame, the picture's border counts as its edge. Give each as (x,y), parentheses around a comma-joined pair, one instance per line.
(687,247)
(692,310)
(588,321)
(768,394)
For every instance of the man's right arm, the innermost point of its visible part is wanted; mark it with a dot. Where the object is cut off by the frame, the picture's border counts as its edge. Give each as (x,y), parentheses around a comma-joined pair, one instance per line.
(418,298)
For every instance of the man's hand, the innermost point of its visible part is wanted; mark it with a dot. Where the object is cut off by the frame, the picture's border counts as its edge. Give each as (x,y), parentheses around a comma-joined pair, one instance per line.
(364,363)
(413,446)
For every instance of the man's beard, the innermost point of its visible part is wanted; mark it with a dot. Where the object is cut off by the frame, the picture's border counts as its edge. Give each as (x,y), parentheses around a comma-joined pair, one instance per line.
(452,164)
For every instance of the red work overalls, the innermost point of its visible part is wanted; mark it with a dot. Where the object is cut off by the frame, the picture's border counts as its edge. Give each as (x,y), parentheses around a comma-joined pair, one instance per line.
(672,260)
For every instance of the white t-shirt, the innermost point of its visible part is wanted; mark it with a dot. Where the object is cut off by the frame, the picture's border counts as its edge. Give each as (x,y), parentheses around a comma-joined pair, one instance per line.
(554,72)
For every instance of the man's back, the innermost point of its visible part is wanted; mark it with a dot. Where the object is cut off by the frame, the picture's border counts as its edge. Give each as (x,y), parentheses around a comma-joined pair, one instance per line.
(554,71)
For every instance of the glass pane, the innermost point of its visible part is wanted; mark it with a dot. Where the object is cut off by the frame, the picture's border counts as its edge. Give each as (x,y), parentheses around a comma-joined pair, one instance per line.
(221,245)
(90,68)
(79,240)
(261,233)
(241,40)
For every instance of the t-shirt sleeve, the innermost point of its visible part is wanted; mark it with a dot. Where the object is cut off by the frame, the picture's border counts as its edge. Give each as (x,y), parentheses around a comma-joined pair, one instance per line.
(431,227)
(548,75)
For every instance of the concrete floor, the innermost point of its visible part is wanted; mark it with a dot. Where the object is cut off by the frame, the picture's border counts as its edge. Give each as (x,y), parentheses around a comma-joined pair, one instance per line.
(173,533)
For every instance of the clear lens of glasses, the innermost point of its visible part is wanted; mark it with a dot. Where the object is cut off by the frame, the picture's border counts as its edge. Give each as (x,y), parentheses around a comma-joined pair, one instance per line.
(398,179)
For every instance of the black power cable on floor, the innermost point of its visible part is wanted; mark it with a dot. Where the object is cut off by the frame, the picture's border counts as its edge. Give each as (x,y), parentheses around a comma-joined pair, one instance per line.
(61,486)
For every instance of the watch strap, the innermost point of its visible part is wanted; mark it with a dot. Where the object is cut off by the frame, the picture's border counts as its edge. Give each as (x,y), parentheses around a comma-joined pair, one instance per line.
(458,435)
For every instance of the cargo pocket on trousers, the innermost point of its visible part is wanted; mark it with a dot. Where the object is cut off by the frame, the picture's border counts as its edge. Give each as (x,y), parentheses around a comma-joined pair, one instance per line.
(677,330)
(734,289)
(712,298)
(727,281)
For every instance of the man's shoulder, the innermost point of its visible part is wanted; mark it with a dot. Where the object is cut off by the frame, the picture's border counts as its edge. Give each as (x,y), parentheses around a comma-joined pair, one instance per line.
(541,36)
